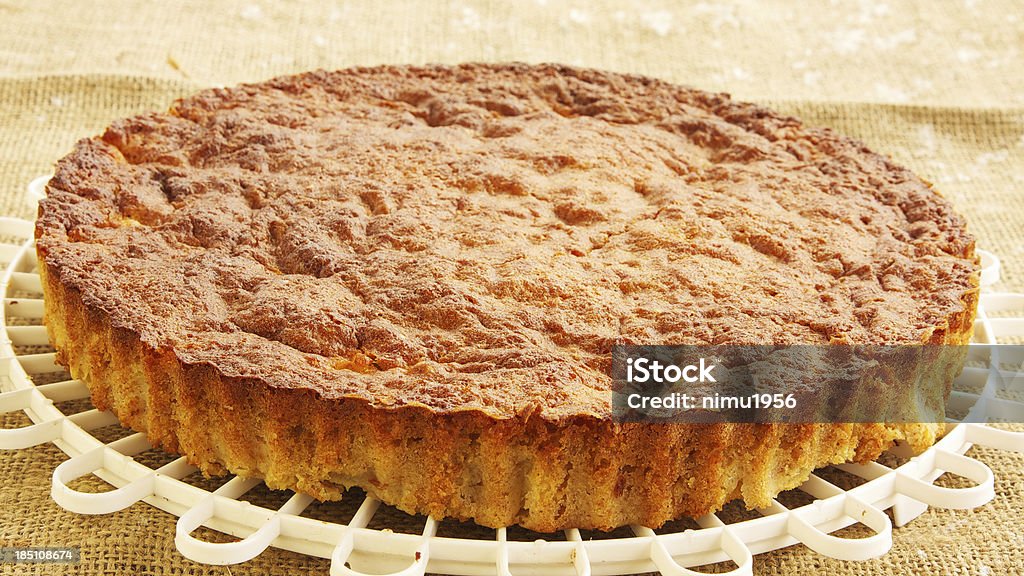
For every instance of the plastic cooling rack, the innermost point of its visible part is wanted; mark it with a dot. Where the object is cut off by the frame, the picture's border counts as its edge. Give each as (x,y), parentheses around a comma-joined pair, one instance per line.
(356,546)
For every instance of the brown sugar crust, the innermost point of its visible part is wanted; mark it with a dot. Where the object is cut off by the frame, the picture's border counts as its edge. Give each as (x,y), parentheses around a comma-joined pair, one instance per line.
(409,279)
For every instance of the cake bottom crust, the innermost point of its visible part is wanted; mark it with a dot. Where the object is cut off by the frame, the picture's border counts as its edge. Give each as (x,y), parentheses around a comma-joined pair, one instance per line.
(546,476)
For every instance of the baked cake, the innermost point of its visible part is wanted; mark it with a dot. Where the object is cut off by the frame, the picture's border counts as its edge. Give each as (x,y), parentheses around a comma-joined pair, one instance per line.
(409,279)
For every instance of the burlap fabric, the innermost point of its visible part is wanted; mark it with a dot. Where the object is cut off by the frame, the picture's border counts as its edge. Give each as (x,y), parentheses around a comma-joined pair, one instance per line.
(940,87)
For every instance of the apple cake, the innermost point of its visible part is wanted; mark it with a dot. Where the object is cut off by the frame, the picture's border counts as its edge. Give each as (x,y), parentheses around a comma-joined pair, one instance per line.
(409,279)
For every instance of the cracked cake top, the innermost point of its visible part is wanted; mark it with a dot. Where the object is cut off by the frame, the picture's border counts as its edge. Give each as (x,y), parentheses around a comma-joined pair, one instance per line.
(478,237)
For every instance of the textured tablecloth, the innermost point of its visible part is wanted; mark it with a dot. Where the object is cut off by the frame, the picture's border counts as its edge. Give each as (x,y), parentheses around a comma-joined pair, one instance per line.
(938,86)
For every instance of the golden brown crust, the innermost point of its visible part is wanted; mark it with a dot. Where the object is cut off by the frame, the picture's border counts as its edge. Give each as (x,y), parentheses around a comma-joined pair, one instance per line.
(478,237)
(150,303)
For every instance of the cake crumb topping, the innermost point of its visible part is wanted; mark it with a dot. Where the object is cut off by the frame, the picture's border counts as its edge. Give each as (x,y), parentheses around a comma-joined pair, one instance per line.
(478,237)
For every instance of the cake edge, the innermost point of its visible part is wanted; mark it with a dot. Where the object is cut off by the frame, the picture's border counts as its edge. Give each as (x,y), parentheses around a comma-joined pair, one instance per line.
(582,472)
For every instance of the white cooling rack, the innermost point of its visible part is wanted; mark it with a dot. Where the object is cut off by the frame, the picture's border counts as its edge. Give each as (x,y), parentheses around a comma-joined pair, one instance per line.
(908,488)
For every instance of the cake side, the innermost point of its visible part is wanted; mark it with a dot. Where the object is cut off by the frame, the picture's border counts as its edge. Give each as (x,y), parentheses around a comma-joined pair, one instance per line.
(585,472)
